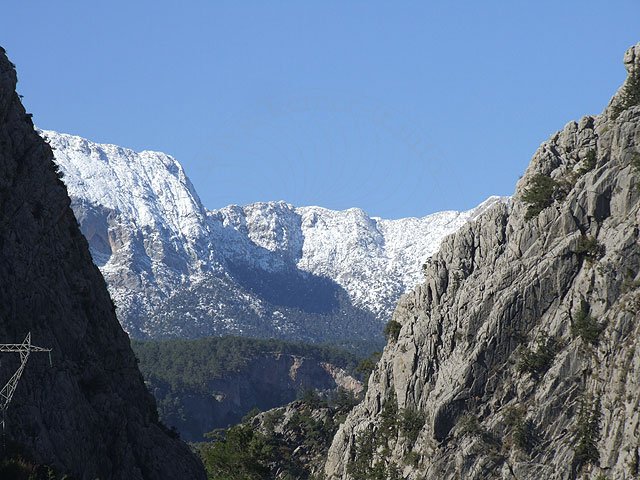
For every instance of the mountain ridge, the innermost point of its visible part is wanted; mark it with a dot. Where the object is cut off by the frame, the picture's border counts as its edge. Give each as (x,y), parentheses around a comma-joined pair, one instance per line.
(270,268)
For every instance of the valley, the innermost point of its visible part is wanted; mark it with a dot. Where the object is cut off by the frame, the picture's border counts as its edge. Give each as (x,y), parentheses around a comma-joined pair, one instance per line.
(280,342)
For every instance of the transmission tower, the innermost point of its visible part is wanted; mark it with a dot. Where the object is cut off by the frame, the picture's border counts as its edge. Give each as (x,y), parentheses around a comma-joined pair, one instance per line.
(24,349)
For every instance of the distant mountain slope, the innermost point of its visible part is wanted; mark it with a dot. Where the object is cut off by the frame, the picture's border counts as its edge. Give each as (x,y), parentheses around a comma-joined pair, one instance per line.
(210,383)
(266,269)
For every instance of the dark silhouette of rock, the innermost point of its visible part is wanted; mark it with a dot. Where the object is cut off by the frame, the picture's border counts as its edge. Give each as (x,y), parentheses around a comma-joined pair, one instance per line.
(89,415)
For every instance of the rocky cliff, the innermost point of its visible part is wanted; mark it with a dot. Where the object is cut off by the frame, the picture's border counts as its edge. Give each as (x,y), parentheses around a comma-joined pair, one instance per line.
(89,414)
(518,357)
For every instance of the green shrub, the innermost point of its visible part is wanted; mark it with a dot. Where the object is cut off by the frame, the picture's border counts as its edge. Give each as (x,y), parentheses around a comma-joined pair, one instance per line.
(469,426)
(250,414)
(589,163)
(366,366)
(585,326)
(541,193)
(521,429)
(513,415)
(630,95)
(393,472)
(241,454)
(588,431)
(589,247)
(536,362)
(370,450)
(364,465)
(635,164)
(392,330)
(311,398)
(389,419)
(524,435)
(272,418)
(17,468)
(629,283)
(411,422)
(342,400)
(412,458)
(17,464)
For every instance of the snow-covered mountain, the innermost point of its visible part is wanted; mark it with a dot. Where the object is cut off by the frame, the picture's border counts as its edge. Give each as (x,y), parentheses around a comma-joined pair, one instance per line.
(266,269)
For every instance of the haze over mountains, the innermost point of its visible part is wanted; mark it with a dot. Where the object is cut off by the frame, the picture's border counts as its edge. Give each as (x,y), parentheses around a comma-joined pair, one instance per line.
(270,269)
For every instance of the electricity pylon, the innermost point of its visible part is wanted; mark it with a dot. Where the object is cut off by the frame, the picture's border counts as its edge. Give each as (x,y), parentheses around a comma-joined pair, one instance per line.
(24,349)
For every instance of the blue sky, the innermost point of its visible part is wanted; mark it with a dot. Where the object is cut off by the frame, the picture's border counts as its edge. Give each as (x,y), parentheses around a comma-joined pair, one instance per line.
(400,108)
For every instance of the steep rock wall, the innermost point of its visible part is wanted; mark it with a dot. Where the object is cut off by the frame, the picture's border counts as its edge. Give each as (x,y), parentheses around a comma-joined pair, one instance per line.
(519,357)
(89,414)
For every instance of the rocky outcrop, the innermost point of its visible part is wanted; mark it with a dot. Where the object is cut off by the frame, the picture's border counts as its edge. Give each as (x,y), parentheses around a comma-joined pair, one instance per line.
(285,443)
(89,414)
(302,431)
(518,357)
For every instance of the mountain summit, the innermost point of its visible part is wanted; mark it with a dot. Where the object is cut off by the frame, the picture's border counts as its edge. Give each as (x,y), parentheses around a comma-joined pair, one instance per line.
(268,269)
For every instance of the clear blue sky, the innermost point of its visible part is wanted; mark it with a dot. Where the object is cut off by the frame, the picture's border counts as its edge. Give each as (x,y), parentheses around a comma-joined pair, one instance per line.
(400,108)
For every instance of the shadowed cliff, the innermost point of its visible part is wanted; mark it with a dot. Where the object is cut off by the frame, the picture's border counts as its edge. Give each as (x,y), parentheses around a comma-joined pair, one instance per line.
(89,414)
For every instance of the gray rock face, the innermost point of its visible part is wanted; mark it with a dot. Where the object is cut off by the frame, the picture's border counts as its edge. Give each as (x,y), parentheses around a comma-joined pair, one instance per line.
(89,414)
(518,357)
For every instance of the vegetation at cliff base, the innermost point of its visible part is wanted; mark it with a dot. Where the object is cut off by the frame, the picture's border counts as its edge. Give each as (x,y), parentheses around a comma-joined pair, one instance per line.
(189,377)
(289,441)
(238,453)
(371,450)
(193,363)
(16,466)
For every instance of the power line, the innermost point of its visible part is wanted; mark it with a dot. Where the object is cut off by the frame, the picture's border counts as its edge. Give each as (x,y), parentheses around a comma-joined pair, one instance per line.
(24,349)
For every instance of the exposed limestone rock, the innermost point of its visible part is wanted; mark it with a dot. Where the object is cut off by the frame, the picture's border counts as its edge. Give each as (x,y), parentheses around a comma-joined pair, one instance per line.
(89,414)
(520,351)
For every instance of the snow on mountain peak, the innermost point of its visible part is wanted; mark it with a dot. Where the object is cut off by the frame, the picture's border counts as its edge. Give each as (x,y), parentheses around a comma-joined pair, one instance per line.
(150,188)
(268,268)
